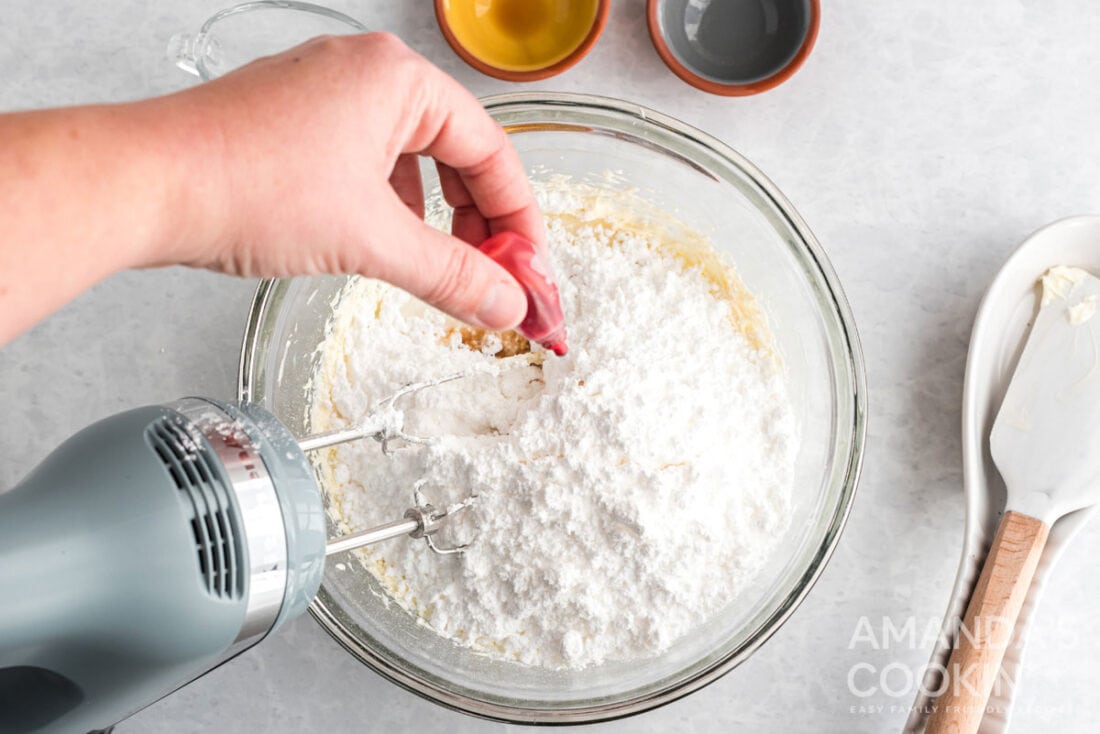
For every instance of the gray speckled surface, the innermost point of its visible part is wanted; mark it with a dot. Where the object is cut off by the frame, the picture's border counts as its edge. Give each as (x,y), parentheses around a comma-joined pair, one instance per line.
(921,142)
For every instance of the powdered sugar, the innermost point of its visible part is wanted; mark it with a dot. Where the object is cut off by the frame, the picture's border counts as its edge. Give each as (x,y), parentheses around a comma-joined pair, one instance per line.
(625,492)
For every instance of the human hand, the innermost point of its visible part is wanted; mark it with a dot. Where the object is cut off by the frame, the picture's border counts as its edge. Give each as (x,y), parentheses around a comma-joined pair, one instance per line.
(309,164)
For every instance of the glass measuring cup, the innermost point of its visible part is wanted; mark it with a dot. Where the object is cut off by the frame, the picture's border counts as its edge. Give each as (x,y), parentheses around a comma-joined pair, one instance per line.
(242,33)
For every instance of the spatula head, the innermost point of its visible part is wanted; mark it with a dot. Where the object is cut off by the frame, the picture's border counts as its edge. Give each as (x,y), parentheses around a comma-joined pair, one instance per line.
(1046,438)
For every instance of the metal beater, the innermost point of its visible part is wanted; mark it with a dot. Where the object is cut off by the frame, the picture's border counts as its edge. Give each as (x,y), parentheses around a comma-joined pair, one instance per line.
(385,424)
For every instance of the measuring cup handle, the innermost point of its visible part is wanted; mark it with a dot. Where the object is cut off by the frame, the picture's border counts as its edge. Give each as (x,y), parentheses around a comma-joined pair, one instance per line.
(181,52)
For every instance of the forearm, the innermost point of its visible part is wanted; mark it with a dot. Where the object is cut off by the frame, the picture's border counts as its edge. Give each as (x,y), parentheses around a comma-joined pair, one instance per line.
(300,163)
(85,192)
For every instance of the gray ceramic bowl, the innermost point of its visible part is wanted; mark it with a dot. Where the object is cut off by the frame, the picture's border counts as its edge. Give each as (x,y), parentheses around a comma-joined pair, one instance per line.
(733,47)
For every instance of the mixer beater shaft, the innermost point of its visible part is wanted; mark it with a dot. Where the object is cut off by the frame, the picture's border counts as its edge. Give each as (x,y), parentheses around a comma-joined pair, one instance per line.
(420,521)
(385,424)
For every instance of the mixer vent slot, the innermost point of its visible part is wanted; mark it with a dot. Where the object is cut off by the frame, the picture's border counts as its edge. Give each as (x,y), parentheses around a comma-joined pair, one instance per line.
(213,522)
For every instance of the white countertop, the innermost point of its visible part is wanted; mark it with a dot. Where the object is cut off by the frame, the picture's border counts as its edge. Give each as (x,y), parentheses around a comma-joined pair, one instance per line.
(921,142)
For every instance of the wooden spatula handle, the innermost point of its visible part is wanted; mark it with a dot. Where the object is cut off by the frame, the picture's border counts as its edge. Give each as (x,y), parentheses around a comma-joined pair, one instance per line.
(987,627)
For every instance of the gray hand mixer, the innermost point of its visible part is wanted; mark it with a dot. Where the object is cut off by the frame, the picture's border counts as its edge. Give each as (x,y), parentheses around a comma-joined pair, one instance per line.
(156,544)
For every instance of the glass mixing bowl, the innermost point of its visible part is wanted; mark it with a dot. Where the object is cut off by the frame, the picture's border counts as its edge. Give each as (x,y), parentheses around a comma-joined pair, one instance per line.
(702,182)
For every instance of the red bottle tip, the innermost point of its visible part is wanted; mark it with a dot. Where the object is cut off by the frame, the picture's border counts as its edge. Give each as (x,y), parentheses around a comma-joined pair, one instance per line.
(558,348)
(544,322)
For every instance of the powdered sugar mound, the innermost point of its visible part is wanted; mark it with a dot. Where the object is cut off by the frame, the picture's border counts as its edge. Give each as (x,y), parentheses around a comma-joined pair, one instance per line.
(625,492)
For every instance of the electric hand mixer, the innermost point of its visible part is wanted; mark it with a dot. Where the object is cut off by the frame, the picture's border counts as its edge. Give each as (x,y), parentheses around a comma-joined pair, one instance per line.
(158,543)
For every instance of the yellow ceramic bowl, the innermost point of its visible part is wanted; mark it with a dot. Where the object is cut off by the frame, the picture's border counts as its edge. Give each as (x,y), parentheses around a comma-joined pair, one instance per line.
(521,40)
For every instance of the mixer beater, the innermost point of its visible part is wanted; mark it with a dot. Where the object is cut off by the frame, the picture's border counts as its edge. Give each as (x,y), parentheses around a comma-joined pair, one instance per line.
(385,424)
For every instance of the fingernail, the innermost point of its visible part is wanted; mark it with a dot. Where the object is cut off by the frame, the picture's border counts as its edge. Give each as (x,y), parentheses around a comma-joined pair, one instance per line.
(503,307)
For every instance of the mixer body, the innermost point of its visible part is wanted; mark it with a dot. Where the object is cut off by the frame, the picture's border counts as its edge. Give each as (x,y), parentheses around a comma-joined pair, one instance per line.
(143,552)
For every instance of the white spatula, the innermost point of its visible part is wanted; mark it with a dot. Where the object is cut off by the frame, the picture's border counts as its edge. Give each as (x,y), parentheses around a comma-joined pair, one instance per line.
(1046,444)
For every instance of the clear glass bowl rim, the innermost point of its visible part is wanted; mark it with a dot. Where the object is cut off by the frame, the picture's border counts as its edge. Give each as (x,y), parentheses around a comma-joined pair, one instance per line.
(685,141)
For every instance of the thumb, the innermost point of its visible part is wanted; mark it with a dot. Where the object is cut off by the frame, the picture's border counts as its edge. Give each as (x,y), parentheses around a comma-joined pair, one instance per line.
(449,274)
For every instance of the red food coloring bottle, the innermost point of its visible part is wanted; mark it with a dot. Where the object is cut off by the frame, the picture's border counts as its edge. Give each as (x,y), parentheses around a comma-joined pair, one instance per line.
(545,321)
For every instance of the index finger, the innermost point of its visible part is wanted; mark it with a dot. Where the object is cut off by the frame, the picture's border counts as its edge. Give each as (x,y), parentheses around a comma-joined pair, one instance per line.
(457,131)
